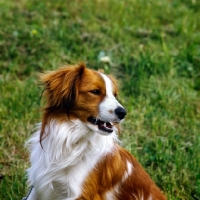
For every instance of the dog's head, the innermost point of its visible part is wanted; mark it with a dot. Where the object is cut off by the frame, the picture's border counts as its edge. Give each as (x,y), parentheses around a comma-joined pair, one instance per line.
(84,94)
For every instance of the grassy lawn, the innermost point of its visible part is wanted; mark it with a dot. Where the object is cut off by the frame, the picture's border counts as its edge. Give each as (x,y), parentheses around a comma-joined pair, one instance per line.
(154,47)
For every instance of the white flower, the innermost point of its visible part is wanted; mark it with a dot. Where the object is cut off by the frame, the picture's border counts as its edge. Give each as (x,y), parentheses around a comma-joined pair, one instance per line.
(105,59)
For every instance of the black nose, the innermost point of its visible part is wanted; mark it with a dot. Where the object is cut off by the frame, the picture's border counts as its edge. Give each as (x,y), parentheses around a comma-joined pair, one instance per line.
(120,112)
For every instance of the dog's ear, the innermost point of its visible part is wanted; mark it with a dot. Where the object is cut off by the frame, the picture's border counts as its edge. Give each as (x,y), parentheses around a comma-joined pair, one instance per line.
(61,86)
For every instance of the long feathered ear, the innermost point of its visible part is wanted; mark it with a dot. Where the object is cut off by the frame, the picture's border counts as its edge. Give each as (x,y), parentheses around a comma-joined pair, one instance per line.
(61,86)
(61,92)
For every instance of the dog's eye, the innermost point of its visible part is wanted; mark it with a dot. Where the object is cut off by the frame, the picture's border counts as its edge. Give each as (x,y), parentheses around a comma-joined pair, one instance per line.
(96,92)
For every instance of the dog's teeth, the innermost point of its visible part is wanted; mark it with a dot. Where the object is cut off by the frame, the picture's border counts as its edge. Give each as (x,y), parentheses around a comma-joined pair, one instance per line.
(111,123)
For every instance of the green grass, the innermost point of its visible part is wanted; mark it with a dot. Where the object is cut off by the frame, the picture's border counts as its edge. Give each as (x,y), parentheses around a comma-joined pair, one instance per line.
(155,53)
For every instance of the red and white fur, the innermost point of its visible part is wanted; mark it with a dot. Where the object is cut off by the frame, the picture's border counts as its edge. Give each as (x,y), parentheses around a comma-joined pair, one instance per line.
(74,152)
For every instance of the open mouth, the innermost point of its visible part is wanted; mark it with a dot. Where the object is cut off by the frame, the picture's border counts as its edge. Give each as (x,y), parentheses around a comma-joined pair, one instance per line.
(102,125)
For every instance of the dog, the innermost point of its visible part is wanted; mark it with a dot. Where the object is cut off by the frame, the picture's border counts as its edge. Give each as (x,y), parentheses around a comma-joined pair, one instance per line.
(75,152)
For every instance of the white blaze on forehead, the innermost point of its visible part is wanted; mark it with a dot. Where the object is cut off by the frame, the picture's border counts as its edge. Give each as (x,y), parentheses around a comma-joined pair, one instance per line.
(109,104)
(108,84)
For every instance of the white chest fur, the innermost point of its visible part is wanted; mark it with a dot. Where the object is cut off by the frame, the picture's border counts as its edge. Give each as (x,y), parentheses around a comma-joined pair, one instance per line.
(69,153)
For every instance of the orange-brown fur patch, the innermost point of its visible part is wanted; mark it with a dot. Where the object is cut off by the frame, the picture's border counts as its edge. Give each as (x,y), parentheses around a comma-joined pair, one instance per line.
(109,173)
